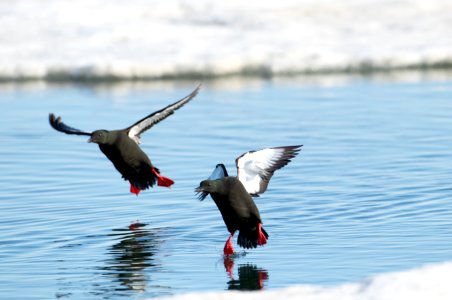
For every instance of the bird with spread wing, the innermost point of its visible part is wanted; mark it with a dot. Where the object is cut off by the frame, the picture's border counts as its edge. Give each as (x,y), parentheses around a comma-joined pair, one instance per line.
(233,195)
(121,146)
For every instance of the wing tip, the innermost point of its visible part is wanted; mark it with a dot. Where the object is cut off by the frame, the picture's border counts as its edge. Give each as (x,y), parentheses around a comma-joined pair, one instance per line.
(223,167)
(219,172)
(195,92)
(57,124)
(198,87)
(292,150)
(289,152)
(136,129)
(53,120)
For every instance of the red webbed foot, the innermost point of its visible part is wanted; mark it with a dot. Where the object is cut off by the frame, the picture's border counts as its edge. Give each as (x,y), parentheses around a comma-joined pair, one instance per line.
(162,180)
(135,225)
(134,189)
(263,275)
(228,248)
(261,239)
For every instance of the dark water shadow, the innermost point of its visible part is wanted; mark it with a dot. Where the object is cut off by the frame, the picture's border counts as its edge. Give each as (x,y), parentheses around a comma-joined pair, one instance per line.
(250,277)
(130,263)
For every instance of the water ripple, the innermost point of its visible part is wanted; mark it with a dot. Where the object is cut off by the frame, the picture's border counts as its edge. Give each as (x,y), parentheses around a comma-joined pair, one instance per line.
(368,193)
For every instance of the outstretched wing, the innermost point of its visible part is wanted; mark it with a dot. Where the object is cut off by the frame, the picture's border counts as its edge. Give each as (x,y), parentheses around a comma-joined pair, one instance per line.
(255,168)
(58,125)
(147,122)
(218,173)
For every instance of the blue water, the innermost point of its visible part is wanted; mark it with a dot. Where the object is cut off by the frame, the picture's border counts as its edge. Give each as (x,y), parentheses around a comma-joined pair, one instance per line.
(370,192)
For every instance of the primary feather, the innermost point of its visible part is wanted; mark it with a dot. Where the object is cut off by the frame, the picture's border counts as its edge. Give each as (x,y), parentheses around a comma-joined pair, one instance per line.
(58,125)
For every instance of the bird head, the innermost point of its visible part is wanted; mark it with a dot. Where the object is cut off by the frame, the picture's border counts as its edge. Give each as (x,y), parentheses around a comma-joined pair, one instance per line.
(100,137)
(206,187)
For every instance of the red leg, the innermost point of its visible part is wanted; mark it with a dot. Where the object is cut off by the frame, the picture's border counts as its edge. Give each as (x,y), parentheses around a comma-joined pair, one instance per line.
(162,180)
(261,239)
(228,248)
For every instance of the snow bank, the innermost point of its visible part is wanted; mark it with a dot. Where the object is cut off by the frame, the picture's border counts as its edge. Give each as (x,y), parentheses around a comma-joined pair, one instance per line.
(429,282)
(172,38)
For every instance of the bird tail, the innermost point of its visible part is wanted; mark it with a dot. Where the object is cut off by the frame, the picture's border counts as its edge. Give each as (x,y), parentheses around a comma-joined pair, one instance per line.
(252,238)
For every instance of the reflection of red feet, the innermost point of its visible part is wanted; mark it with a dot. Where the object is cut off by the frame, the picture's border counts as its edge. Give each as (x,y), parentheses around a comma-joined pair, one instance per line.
(263,275)
(162,180)
(135,225)
(261,239)
(228,248)
(228,265)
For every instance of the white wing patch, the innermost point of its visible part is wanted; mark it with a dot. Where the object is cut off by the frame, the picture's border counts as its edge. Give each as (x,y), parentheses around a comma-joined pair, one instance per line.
(255,168)
(135,131)
(133,134)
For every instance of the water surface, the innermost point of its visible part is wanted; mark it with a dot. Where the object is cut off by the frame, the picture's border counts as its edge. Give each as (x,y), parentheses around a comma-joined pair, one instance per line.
(369,193)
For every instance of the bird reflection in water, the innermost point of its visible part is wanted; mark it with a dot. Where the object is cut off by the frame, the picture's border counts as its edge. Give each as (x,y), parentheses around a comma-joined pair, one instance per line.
(250,276)
(131,256)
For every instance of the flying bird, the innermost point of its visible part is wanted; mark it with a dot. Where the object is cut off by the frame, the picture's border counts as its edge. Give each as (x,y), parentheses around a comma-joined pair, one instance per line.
(233,195)
(121,146)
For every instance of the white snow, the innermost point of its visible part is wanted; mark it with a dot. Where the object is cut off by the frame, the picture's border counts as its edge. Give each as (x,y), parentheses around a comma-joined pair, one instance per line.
(430,282)
(142,38)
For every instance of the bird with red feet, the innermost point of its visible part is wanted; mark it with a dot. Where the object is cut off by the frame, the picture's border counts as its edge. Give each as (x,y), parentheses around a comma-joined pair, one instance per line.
(233,195)
(121,146)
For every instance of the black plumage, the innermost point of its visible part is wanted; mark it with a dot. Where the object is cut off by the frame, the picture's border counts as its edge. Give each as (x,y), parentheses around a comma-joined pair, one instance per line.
(237,208)
(233,195)
(121,146)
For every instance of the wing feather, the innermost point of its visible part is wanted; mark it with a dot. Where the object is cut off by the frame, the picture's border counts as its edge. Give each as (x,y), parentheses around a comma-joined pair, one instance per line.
(58,125)
(147,122)
(255,168)
(219,172)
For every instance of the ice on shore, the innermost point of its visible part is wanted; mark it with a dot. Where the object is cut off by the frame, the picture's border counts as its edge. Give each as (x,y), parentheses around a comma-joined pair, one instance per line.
(139,39)
(427,282)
